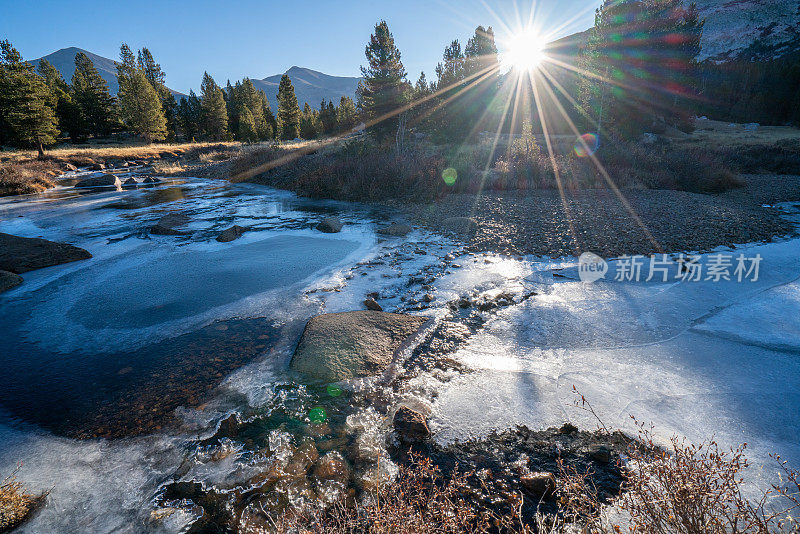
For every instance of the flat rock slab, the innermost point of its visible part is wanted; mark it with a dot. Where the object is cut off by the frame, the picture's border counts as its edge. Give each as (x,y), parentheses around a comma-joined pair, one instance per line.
(341,346)
(23,254)
(9,280)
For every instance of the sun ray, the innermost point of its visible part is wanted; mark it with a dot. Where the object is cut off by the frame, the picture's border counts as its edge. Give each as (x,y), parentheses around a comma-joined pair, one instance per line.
(551,154)
(604,173)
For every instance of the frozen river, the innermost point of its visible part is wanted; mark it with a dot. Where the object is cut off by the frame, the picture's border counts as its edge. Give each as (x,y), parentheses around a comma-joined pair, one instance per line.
(157,338)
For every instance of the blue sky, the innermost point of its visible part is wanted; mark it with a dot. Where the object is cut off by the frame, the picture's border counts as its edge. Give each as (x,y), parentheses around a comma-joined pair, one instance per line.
(261,38)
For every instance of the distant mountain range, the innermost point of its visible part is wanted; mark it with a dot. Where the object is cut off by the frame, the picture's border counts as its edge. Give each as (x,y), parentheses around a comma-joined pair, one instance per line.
(309,85)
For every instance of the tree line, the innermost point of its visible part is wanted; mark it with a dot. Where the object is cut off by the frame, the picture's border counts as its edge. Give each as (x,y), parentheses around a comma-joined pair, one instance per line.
(38,107)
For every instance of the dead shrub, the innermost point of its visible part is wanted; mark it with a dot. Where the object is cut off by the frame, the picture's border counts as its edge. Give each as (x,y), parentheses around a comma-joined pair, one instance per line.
(26,177)
(15,504)
(419,502)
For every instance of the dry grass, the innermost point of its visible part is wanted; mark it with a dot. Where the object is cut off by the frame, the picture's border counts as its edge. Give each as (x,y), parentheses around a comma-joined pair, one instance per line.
(163,168)
(26,177)
(420,502)
(116,152)
(15,504)
(681,489)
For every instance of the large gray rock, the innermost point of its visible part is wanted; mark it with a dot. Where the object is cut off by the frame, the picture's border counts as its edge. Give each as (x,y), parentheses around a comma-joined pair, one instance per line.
(460,225)
(9,280)
(395,230)
(410,425)
(330,225)
(23,254)
(101,180)
(229,234)
(340,346)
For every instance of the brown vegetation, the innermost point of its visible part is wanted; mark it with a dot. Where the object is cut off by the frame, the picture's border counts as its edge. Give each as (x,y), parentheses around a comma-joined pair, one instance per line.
(25,177)
(15,504)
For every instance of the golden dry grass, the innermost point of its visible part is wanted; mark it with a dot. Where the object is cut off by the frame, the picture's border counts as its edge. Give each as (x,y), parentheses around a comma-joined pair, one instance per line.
(122,151)
(15,503)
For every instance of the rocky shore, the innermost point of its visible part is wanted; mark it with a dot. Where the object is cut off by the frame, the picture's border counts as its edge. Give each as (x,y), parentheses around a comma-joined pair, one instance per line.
(535,222)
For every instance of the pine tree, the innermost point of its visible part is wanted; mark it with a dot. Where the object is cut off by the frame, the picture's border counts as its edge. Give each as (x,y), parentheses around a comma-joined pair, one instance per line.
(190,116)
(67,111)
(247,127)
(384,89)
(90,93)
(270,122)
(309,123)
(641,58)
(329,122)
(451,70)
(27,118)
(215,113)
(246,98)
(346,114)
(157,78)
(139,102)
(288,110)
(421,88)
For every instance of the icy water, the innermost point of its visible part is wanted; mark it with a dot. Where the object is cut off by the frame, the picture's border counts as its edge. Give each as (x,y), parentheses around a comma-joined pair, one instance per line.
(177,347)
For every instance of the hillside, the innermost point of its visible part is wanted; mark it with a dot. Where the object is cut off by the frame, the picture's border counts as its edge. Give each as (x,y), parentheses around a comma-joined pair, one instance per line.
(735,29)
(309,86)
(752,29)
(64,61)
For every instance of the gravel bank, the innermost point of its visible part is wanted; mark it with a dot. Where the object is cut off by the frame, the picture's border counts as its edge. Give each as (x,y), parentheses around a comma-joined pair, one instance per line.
(518,223)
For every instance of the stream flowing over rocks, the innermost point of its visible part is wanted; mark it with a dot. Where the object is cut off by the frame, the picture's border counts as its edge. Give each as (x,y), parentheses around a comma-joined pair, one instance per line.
(209,364)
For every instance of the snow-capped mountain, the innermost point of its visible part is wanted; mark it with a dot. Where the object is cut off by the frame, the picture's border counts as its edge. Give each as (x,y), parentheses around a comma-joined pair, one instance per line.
(754,29)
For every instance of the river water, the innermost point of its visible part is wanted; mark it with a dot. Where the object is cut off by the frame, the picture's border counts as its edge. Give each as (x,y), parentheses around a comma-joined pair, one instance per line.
(121,373)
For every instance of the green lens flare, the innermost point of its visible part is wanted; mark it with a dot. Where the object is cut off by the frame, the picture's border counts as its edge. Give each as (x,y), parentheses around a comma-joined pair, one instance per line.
(317,415)
(449,175)
(334,390)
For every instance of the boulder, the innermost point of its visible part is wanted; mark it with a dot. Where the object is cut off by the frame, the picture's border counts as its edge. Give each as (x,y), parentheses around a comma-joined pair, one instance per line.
(9,280)
(410,425)
(460,225)
(70,167)
(395,230)
(166,224)
(332,466)
(372,305)
(23,254)
(229,234)
(540,484)
(330,225)
(151,180)
(100,180)
(130,183)
(340,346)
(96,167)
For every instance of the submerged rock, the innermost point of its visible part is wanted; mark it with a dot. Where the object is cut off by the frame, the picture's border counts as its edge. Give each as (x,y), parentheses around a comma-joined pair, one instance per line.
(229,234)
(102,180)
(371,304)
(340,346)
(395,230)
(460,225)
(330,225)
(23,254)
(9,280)
(410,425)
(166,224)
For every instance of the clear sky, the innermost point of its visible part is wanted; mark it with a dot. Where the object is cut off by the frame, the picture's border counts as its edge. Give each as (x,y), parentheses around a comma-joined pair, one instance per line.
(235,39)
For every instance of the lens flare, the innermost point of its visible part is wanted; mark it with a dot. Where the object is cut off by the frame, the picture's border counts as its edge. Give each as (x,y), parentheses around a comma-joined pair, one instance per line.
(586,145)
(449,175)
(334,390)
(317,415)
